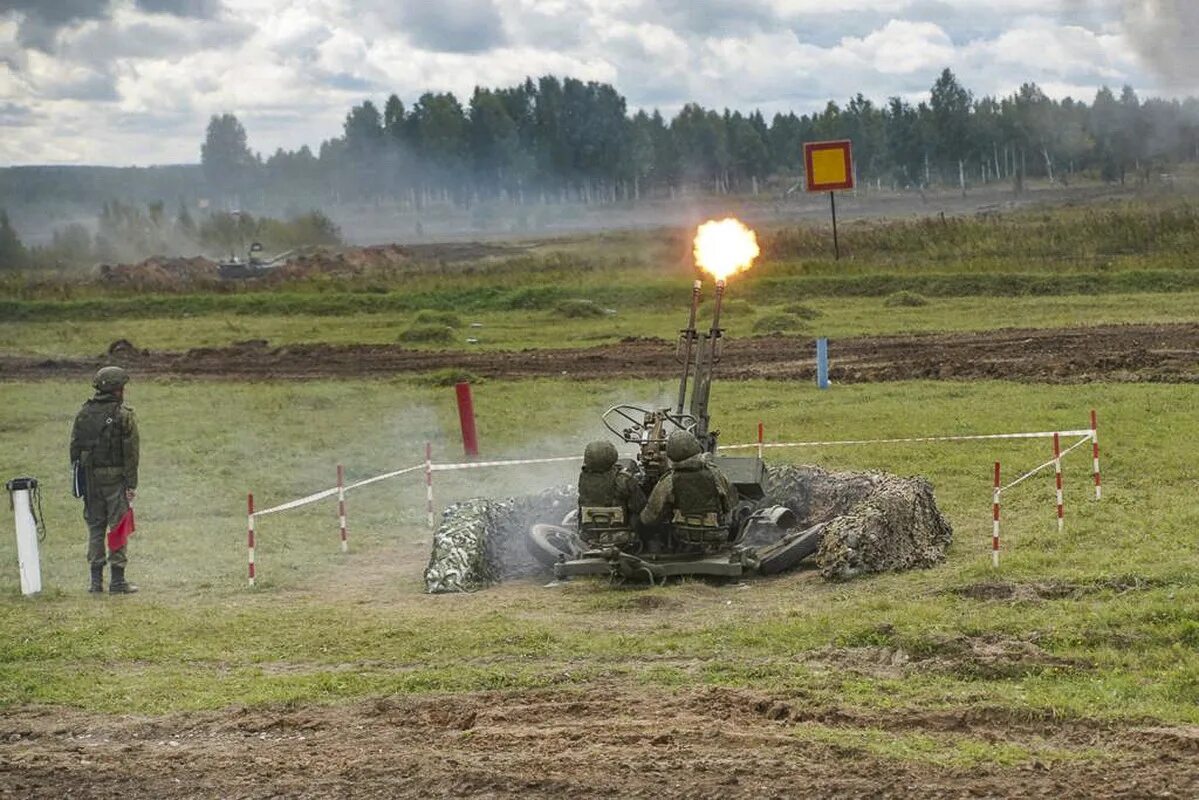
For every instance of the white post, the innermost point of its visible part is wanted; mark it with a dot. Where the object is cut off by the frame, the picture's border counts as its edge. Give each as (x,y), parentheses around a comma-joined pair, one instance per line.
(28,559)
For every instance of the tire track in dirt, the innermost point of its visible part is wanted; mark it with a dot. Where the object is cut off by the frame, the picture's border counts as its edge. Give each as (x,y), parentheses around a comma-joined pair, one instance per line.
(1118,353)
(608,741)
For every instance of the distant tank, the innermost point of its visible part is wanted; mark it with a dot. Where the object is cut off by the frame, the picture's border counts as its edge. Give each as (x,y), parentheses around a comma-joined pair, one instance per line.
(254,265)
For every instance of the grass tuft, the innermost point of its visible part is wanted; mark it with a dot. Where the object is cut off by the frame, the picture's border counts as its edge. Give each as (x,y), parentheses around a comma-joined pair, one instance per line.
(427,334)
(578,309)
(905,299)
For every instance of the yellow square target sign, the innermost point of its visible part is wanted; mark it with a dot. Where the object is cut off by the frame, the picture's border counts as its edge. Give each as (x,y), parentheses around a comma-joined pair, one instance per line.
(829,165)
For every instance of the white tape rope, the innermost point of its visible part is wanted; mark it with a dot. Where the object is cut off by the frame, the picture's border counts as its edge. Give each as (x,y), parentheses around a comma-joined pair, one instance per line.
(915,439)
(313,498)
(1048,463)
(378,478)
(303,501)
(515,463)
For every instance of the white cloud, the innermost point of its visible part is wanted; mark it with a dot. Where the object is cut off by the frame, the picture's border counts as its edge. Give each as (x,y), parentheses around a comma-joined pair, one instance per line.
(131,86)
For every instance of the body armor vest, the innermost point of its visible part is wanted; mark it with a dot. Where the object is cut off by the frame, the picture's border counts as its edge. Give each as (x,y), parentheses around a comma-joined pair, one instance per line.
(698,508)
(602,517)
(101,436)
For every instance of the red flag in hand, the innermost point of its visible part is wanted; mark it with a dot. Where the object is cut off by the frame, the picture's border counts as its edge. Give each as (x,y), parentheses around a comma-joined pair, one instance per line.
(119,535)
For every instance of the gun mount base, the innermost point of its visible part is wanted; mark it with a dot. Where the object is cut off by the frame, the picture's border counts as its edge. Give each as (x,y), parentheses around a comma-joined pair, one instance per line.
(657,568)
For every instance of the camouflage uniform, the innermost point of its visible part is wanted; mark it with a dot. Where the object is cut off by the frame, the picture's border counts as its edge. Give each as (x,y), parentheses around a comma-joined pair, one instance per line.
(104,440)
(609,498)
(695,497)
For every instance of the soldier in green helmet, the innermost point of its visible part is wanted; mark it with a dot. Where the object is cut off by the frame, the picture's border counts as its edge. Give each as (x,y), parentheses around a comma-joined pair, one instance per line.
(694,497)
(609,498)
(104,443)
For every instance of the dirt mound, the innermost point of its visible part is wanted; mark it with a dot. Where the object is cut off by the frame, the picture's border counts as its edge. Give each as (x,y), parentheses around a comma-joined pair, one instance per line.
(1133,353)
(162,273)
(609,741)
(1052,590)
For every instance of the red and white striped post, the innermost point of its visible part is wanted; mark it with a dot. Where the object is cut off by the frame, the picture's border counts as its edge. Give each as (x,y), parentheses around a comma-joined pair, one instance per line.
(761,440)
(995,521)
(1095,454)
(341,507)
(250,533)
(1057,478)
(429,485)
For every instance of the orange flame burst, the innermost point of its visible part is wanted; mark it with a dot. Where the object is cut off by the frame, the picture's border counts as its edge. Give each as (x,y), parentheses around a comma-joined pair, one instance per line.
(724,247)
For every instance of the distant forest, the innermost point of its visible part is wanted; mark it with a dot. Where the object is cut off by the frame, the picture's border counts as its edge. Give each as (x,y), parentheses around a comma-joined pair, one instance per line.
(563,141)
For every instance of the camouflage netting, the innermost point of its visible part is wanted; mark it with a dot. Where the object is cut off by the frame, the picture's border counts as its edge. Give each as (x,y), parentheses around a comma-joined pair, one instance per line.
(876,523)
(482,541)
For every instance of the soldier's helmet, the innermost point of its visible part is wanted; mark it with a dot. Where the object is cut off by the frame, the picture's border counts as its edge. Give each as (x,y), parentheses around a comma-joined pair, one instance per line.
(599,456)
(682,445)
(109,379)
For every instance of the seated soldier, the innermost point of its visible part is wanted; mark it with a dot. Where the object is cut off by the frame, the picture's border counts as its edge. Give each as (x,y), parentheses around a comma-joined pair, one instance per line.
(609,499)
(694,496)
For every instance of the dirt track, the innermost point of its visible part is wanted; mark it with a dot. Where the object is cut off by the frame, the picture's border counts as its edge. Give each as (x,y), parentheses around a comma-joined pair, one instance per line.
(612,742)
(1126,353)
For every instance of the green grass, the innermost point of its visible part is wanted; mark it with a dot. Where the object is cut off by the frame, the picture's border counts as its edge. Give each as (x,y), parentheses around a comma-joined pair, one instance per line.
(327,627)
(838,317)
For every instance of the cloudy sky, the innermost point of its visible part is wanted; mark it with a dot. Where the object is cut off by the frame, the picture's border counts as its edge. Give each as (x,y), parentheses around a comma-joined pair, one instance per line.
(134,81)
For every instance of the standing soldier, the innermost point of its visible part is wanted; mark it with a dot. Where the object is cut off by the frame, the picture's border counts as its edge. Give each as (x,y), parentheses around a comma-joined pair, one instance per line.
(695,497)
(104,445)
(609,498)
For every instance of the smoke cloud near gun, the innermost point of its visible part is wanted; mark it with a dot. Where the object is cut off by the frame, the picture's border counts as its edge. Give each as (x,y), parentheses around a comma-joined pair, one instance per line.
(1164,33)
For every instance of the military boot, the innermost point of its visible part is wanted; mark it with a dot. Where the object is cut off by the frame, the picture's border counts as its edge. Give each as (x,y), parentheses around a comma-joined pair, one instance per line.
(119,585)
(97,584)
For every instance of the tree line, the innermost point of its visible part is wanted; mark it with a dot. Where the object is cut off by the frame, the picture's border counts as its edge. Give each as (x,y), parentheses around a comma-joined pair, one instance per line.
(551,140)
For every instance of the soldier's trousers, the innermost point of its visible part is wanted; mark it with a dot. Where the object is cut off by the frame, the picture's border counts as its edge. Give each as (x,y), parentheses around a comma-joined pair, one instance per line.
(103,506)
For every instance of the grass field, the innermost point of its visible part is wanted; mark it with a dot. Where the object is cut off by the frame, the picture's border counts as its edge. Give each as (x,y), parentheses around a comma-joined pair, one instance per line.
(1099,625)
(839,317)
(197,638)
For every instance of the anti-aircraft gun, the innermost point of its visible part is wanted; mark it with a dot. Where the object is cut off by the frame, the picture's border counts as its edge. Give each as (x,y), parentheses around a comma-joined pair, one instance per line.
(648,429)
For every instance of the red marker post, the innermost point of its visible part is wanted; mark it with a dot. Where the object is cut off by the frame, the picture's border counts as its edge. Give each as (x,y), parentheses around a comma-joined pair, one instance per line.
(1057,477)
(995,522)
(341,507)
(466,418)
(1095,454)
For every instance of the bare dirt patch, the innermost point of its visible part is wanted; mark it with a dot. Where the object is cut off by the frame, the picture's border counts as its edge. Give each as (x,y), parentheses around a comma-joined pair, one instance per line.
(1125,353)
(610,741)
(1005,591)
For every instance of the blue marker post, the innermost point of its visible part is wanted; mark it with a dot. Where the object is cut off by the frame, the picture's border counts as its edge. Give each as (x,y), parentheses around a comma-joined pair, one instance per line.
(822,363)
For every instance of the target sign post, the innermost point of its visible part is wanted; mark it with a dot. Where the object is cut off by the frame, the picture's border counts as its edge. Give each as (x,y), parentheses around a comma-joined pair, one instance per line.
(828,167)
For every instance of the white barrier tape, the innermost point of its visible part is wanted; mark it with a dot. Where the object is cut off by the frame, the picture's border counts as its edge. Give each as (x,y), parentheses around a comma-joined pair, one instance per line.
(1048,463)
(312,498)
(378,478)
(975,437)
(1028,475)
(303,501)
(520,462)
(1077,444)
